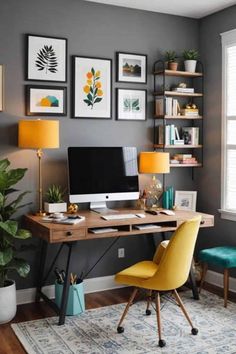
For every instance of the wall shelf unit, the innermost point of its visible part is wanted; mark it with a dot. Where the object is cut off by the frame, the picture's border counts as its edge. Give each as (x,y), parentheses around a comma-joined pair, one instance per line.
(179,112)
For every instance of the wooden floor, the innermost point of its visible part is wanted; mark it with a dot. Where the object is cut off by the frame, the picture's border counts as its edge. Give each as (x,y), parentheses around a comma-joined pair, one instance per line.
(9,343)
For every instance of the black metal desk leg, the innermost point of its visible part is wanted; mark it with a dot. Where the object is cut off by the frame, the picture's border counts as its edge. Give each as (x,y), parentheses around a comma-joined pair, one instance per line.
(193,283)
(66,286)
(43,255)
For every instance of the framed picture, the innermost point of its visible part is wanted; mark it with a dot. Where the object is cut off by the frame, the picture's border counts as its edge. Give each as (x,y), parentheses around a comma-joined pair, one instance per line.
(131,67)
(46,58)
(131,104)
(186,200)
(1,87)
(46,100)
(92,96)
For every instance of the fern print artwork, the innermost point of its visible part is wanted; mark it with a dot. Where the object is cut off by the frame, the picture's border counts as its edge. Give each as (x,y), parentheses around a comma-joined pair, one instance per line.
(93,88)
(46,59)
(131,104)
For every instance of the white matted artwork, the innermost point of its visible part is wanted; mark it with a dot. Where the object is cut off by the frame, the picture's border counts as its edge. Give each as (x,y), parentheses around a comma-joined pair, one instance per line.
(131,104)
(46,58)
(92,87)
(1,87)
(131,67)
(186,200)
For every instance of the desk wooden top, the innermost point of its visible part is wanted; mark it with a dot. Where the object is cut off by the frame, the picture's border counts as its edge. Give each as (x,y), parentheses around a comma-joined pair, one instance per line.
(54,233)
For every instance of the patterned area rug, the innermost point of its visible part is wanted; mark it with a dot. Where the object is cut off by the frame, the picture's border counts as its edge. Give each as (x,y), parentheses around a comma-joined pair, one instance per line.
(94,331)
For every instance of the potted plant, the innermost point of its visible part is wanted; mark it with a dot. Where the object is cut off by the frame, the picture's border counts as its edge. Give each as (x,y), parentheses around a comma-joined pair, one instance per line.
(171,58)
(190,60)
(55,202)
(9,233)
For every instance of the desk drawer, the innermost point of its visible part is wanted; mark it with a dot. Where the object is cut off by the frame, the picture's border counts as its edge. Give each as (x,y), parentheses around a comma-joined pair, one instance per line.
(68,235)
(207,222)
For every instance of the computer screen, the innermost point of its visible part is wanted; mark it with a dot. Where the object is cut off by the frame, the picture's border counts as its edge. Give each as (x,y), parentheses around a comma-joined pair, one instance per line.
(100,174)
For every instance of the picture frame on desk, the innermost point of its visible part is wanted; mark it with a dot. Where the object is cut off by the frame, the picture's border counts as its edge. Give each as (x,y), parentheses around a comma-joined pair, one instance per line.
(186,200)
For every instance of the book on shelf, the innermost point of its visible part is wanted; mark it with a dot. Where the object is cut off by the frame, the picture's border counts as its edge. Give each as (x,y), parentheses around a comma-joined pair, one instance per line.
(183,89)
(167,106)
(191,112)
(179,142)
(160,134)
(193,134)
(159,106)
(184,159)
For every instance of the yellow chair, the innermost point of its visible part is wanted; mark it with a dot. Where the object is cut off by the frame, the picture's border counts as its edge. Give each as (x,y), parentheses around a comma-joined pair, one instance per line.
(168,270)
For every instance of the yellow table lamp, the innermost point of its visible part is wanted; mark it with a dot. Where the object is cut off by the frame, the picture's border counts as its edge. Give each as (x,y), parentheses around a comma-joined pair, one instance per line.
(38,134)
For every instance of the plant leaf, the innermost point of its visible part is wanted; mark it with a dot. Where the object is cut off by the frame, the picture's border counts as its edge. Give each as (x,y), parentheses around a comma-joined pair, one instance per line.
(23,234)
(6,256)
(47,59)
(98,99)
(20,265)
(4,164)
(9,226)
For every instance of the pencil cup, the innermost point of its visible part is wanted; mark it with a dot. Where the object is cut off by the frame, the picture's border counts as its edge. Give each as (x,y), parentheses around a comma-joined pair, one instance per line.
(75,303)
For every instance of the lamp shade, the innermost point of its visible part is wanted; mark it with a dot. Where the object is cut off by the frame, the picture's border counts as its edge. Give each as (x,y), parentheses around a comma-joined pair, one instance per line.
(154,162)
(38,134)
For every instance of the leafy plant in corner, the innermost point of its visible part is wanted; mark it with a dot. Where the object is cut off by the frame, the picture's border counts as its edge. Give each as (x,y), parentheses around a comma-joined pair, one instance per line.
(46,59)
(191,54)
(170,56)
(55,194)
(9,228)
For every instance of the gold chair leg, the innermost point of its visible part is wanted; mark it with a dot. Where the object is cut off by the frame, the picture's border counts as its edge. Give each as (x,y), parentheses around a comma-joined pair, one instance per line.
(119,328)
(178,299)
(149,300)
(161,342)
(226,286)
(204,271)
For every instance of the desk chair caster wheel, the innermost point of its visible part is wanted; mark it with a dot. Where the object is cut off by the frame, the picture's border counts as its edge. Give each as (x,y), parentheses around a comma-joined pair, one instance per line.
(148,312)
(162,343)
(120,329)
(194,331)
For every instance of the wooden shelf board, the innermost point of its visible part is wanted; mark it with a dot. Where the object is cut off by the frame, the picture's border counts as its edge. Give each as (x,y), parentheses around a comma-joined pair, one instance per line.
(186,165)
(176,117)
(177,94)
(185,146)
(177,73)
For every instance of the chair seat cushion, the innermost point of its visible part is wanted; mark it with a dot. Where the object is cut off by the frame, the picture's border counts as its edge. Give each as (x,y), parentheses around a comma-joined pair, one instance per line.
(137,273)
(223,256)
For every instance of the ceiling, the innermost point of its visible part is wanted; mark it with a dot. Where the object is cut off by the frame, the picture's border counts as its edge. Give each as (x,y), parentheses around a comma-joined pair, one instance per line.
(195,9)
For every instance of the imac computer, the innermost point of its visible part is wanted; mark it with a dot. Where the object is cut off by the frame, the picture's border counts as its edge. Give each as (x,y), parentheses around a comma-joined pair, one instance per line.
(101,174)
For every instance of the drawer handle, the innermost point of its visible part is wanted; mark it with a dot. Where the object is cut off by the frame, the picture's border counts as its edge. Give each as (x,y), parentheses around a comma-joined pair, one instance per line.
(202,222)
(69,233)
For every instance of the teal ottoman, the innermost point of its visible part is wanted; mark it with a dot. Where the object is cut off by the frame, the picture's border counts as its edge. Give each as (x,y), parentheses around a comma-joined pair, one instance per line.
(222,256)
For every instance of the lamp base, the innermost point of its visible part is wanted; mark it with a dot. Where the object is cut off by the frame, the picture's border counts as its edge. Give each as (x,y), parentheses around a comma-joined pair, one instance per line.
(41,213)
(154,192)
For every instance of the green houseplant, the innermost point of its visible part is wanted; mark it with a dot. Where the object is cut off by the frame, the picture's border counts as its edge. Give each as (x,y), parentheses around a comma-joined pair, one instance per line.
(9,233)
(190,59)
(171,58)
(55,202)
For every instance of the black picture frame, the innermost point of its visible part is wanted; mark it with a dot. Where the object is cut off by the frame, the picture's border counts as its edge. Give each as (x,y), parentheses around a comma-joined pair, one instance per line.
(45,100)
(131,104)
(131,67)
(92,84)
(46,58)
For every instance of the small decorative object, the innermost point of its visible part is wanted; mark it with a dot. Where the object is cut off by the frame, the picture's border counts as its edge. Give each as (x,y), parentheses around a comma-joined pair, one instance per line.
(73,208)
(190,110)
(92,87)
(9,233)
(186,137)
(190,60)
(171,58)
(46,100)
(55,202)
(1,88)
(131,67)
(46,58)
(141,202)
(186,200)
(182,85)
(131,104)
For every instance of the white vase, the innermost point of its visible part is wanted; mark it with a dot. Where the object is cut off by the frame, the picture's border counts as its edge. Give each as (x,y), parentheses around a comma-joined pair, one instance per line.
(55,207)
(190,65)
(8,302)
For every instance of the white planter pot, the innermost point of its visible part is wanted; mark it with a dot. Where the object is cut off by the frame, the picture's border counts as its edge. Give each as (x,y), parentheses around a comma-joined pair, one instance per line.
(8,302)
(190,65)
(55,207)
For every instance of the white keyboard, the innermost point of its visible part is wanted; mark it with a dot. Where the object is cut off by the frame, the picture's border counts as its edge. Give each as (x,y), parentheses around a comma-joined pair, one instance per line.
(118,216)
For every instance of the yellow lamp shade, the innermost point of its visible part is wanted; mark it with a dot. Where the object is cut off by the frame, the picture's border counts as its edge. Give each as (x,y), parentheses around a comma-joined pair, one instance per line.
(154,162)
(38,134)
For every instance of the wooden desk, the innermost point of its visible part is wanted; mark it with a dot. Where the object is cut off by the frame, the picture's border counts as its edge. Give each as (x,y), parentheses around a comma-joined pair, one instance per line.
(68,235)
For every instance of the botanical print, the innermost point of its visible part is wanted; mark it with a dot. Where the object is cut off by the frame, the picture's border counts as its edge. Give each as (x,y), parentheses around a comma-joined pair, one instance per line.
(131,104)
(46,59)
(131,68)
(93,88)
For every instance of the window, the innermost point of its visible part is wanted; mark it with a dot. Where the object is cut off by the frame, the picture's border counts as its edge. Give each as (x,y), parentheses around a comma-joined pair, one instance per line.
(228,192)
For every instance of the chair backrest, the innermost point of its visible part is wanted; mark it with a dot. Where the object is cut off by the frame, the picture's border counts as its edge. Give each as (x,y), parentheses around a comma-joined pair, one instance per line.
(176,261)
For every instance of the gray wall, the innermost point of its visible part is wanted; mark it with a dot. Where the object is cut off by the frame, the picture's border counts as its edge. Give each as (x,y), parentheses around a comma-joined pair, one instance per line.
(92,30)
(209,177)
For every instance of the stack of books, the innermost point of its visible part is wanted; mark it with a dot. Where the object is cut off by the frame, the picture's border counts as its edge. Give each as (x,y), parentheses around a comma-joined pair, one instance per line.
(183,159)
(169,106)
(190,112)
(183,89)
(171,135)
